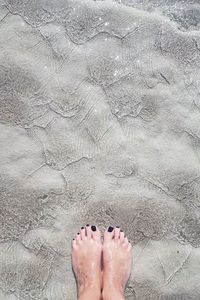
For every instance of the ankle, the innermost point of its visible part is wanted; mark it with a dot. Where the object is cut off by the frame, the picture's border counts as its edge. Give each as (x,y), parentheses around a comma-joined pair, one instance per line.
(111,293)
(89,292)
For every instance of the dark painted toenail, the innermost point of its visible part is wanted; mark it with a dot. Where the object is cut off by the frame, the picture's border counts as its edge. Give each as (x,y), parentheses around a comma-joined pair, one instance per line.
(121,230)
(110,229)
(73,239)
(88,225)
(117,226)
(82,227)
(78,233)
(93,228)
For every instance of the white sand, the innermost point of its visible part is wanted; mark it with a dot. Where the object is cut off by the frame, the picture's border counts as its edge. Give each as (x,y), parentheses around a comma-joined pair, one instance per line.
(99,124)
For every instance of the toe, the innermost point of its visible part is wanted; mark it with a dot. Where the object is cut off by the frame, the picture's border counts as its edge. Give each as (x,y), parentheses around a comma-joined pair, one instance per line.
(121,235)
(78,237)
(83,233)
(96,234)
(73,243)
(125,243)
(109,234)
(117,233)
(129,246)
(88,231)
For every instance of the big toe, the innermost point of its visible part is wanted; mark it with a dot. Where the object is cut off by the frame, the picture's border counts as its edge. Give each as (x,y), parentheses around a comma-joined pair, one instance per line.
(109,234)
(96,234)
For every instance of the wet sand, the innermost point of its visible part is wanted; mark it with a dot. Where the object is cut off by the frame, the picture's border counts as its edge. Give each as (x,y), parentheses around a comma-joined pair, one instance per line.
(99,124)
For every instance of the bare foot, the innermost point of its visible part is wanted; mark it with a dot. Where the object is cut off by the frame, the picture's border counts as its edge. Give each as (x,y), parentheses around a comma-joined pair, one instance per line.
(86,261)
(117,262)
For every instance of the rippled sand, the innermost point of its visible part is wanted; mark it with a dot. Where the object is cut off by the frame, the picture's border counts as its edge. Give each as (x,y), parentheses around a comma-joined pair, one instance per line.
(99,124)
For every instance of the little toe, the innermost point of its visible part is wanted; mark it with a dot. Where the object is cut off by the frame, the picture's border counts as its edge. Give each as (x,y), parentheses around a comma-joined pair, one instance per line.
(117,233)
(73,243)
(96,234)
(88,231)
(125,243)
(109,234)
(129,246)
(83,233)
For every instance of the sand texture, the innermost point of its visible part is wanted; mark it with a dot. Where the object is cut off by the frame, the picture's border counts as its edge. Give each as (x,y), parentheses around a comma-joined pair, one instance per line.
(99,124)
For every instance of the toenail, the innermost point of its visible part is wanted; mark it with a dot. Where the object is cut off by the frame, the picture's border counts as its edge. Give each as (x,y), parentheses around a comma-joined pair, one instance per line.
(87,225)
(82,227)
(117,226)
(110,229)
(121,230)
(93,228)
(73,239)
(78,233)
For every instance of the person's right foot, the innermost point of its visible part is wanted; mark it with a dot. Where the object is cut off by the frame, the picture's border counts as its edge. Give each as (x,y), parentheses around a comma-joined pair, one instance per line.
(117,262)
(86,261)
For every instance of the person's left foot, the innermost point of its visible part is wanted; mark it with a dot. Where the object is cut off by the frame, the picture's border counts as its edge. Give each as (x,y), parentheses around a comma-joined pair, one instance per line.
(86,259)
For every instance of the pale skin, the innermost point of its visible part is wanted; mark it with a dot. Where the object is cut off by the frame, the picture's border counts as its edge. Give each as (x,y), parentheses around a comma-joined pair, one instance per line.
(101,268)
